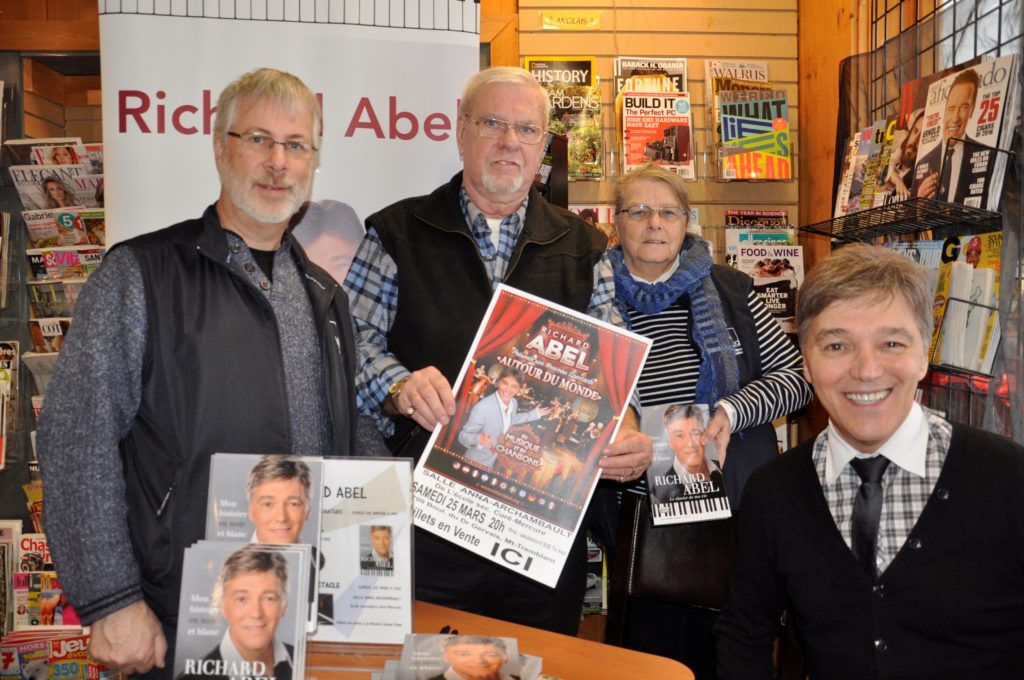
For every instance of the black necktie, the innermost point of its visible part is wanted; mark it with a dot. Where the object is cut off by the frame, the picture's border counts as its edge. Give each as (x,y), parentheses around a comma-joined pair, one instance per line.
(944,175)
(867,510)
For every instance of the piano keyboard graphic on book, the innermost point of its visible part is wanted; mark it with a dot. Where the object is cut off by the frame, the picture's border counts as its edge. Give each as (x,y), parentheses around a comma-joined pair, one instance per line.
(703,508)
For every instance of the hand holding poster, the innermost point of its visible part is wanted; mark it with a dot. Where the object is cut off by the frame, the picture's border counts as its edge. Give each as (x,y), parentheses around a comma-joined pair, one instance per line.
(541,394)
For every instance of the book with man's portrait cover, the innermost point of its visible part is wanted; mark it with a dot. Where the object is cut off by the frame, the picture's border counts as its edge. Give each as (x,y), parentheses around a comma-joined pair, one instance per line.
(242,612)
(684,481)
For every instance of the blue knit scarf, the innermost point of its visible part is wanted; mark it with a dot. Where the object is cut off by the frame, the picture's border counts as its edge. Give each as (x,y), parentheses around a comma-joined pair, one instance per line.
(719,370)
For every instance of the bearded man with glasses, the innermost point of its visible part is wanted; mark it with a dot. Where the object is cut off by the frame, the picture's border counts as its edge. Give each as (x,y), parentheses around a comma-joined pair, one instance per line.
(448,250)
(215,334)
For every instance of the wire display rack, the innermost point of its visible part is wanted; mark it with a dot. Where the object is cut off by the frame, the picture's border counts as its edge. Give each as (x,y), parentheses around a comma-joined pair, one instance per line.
(911,216)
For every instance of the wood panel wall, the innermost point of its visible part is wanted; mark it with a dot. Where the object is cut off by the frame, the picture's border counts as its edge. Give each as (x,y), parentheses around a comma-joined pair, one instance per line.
(57,105)
(49,25)
(698,30)
(829,32)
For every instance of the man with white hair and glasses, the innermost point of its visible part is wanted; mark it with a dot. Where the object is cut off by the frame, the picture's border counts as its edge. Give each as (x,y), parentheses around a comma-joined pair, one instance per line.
(448,251)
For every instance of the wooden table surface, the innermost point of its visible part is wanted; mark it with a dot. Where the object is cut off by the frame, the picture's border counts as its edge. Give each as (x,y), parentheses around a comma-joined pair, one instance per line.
(564,656)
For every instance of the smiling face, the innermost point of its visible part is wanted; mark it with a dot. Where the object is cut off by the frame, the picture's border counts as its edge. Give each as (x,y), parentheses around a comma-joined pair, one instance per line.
(684,440)
(508,388)
(254,603)
(260,187)
(381,541)
(278,508)
(62,155)
(472,661)
(650,246)
(499,171)
(57,192)
(865,357)
(959,106)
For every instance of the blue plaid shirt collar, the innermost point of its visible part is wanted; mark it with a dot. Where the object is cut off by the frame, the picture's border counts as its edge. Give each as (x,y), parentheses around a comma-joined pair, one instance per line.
(496,259)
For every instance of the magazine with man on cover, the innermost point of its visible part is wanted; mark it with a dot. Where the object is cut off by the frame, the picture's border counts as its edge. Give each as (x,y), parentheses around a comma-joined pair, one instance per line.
(969,115)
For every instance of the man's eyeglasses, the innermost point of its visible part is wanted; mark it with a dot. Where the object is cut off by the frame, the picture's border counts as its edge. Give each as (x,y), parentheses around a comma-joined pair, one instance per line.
(255,143)
(496,127)
(642,213)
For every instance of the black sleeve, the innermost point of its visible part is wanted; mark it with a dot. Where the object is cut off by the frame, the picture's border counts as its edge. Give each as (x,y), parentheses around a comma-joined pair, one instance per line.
(749,623)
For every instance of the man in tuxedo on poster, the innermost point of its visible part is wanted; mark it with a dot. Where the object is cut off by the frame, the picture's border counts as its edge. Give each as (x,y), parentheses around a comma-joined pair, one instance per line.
(446,252)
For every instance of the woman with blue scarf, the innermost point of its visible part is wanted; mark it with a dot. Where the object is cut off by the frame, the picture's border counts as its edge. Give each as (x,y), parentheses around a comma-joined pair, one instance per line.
(715,343)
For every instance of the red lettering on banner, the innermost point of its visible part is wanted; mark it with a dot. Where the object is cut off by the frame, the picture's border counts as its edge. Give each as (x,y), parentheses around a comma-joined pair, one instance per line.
(160,94)
(136,108)
(364,107)
(436,127)
(142,112)
(176,119)
(395,115)
(123,111)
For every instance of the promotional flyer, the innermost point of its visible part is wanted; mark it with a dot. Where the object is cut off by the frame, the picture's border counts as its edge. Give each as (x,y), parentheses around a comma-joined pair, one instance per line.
(542,392)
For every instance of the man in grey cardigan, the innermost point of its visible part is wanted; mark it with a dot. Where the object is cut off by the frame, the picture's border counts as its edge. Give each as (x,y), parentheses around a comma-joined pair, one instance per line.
(215,334)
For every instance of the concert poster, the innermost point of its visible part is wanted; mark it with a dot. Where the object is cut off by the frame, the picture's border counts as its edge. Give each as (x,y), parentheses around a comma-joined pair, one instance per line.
(542,392)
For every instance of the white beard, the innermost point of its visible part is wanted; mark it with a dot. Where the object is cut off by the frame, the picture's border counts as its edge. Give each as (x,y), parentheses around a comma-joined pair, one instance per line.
(502,186)
(240,192)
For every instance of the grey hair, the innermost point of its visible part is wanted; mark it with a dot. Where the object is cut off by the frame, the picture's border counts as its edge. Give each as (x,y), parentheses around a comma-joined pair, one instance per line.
(859,270)
(273,466)
(677,412)
(507,75)
(650,172)
(456,640)
(282,89)
(252,557)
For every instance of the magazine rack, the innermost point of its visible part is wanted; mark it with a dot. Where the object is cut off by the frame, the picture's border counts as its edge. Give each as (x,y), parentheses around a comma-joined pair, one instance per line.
(911,216)
(14,313)
(871,88)
(942,329)
(963,395)
(968,397)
